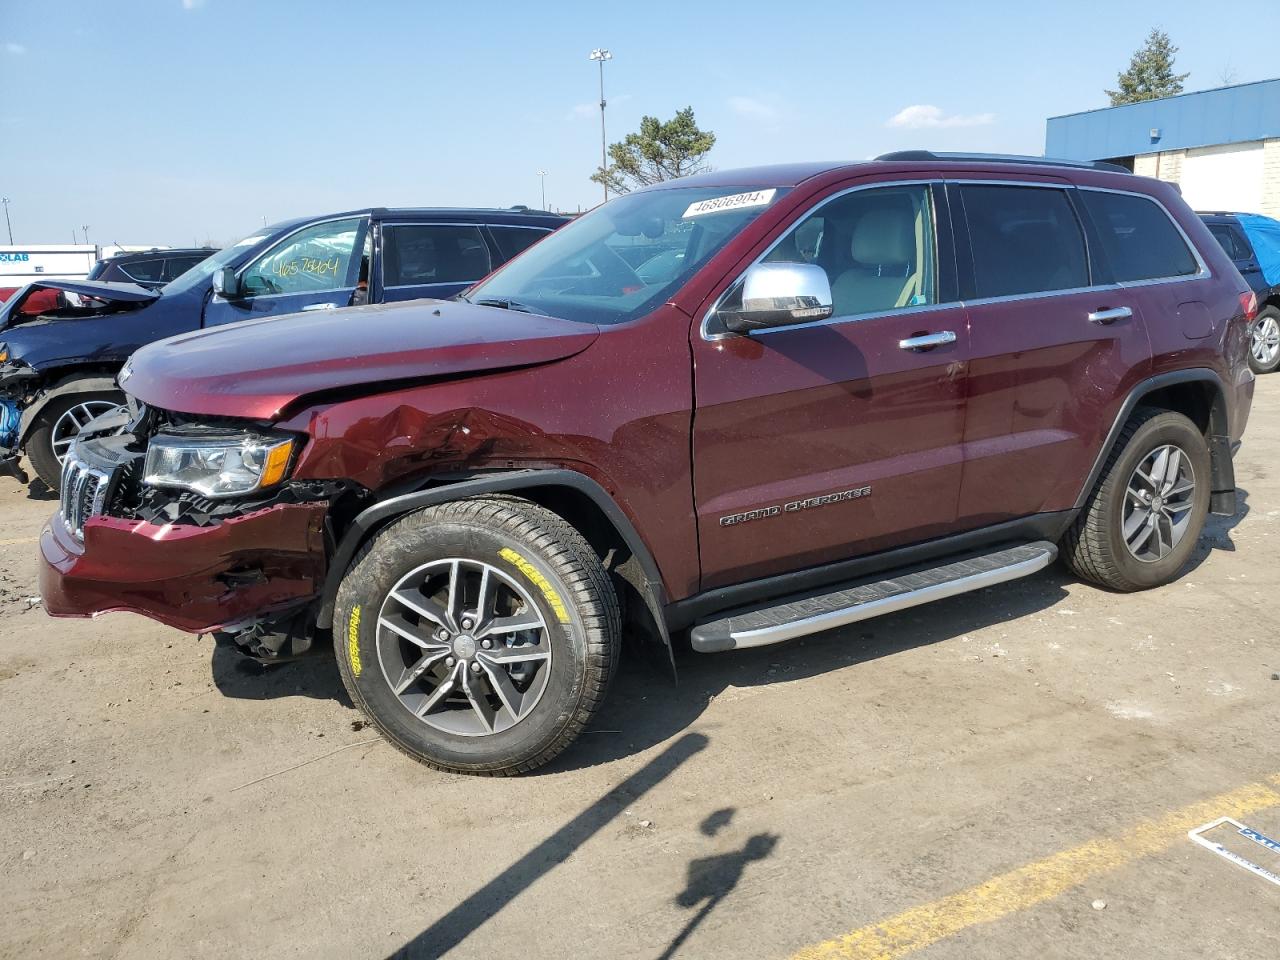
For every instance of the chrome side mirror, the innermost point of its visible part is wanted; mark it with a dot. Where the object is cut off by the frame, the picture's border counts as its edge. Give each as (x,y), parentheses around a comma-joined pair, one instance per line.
(226,284)
(777,294)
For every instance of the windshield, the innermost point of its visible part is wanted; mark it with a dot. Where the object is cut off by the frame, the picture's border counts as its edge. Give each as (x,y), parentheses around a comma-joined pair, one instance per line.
(625,257)
(206,268)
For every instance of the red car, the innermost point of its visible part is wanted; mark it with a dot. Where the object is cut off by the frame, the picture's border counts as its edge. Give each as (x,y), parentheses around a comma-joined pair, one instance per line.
(752,404)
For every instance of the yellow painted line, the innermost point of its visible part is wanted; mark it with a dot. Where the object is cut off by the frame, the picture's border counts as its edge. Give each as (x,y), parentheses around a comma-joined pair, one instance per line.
(6,543)
(918,927)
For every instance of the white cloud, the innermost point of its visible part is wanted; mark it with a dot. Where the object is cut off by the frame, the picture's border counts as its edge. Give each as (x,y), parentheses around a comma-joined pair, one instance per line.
(192,4)
(924,115)
(753,109)
(16,49)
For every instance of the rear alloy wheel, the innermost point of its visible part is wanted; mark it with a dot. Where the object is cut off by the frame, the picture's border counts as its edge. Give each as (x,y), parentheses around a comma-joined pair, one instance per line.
(58,424)
(479,636)
(1264,341)
(1143,518)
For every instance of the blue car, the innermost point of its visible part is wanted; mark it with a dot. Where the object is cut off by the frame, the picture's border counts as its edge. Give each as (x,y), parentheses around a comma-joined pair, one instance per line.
(58,367)
(1252,242)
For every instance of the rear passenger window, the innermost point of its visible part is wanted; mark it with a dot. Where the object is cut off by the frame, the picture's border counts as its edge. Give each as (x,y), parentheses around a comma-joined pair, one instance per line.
(421,254)
(1230,241)
(515,240)
(1024,239)
(1138,238)
(148,270)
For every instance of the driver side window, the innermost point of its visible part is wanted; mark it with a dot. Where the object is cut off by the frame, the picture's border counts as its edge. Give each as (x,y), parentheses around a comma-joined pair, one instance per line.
(315,259)
(876,246)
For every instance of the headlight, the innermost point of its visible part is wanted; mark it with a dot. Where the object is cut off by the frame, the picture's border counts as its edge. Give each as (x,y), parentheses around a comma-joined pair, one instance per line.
(217,466)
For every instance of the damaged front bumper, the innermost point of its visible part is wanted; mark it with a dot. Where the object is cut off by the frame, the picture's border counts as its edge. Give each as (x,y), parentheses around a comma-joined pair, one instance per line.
(197,579)
(15,384)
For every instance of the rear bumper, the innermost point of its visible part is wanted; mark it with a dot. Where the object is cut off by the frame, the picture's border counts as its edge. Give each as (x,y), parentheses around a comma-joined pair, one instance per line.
(193,578)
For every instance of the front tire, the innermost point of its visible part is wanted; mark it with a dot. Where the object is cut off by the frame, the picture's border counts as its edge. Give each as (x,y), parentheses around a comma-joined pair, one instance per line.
(1264,341)
(58,424)
(479,636)
(1144,516)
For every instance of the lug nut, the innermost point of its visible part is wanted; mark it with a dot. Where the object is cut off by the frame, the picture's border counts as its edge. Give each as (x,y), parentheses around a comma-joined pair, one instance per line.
(486,644)
(466,623)
(449,661)
(442,634)
(475,668)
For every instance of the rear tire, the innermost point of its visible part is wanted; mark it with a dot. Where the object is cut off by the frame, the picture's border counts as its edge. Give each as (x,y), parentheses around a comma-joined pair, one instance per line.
(57,423)
(1264,341)
(1159,468)
(505,646)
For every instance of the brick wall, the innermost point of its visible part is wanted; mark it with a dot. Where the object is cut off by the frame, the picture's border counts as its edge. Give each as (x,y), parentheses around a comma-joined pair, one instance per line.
(1271,178)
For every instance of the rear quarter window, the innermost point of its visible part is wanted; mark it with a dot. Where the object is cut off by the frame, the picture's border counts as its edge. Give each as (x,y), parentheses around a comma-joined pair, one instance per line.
(1138,239)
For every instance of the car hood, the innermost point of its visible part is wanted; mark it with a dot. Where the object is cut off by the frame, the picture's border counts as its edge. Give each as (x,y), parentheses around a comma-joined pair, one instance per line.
(121,292)
(258,369)
(117,292)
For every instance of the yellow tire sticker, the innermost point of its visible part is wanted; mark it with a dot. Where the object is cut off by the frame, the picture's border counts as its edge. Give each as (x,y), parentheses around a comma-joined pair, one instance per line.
(353,640)
(538,580)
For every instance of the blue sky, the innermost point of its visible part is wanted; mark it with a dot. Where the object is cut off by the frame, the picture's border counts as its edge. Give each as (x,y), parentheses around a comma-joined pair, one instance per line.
(171,121)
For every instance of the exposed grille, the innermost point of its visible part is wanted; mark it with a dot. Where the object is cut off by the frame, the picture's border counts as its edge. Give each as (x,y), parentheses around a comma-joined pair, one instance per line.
(83,494)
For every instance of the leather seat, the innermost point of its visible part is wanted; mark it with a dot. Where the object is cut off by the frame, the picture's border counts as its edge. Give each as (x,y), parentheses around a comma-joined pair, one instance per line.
(883,249)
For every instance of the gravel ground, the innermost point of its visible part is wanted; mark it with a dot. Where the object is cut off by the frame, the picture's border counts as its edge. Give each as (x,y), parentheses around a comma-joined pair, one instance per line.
(163,798)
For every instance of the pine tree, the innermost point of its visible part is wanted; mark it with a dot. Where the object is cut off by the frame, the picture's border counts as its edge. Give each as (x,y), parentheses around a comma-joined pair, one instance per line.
(660,151)
(1150,75)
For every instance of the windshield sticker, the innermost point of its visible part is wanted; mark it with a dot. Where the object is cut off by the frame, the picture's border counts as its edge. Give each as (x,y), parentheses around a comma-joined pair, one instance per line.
(756,198)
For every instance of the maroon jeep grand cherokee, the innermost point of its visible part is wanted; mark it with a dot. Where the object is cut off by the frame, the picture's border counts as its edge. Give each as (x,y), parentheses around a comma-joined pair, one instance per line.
(755,403)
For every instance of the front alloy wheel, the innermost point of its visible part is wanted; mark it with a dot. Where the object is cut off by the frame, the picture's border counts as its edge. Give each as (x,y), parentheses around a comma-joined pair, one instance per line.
(464,647)
(479,636)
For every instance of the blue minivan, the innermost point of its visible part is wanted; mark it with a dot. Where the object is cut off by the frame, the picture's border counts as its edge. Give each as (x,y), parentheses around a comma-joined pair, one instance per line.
(58,367)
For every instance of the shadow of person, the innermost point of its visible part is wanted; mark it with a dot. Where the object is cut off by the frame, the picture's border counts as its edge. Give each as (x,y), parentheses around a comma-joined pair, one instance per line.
(485,903)
(711,879)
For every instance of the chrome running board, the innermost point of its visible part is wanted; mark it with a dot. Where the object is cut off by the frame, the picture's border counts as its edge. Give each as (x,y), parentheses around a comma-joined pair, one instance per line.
(841,605)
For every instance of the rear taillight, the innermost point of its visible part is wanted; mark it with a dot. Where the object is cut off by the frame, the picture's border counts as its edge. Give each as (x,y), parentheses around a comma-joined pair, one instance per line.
(1249,304)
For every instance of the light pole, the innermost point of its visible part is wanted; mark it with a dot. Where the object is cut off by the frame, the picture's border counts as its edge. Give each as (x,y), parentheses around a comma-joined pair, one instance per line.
(600,55)
(542,175)
(6,201)
(85,228)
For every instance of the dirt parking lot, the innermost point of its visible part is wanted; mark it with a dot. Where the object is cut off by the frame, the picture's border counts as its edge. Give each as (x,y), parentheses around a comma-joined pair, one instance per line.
(1008,774)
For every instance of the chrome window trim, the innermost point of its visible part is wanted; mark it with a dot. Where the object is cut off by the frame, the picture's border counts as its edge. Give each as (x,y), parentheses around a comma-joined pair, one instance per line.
(1064,185)
(296,230)
(1203,270)
(794,223)
(478,227)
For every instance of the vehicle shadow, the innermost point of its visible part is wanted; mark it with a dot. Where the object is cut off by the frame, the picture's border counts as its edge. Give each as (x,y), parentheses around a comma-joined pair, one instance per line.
(242,678)
(1217,533)
(37,489)
(645,708)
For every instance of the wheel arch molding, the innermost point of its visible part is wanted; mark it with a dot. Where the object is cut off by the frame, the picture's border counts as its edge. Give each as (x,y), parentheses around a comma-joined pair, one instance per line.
(1199,394)
(75,383)
(532,483)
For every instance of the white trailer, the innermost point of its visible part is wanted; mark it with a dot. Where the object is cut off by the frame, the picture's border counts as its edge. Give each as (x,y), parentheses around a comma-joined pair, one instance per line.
(20,265)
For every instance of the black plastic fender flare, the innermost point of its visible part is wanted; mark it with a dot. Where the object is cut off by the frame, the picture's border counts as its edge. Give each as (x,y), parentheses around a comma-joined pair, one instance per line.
(68,385)
(472,485)
(1223,489)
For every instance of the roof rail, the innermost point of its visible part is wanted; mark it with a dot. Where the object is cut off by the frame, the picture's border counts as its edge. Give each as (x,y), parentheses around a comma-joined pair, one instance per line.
(1002,158)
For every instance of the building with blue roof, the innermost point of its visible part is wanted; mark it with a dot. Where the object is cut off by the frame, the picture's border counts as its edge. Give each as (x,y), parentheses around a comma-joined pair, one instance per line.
(1221,146)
